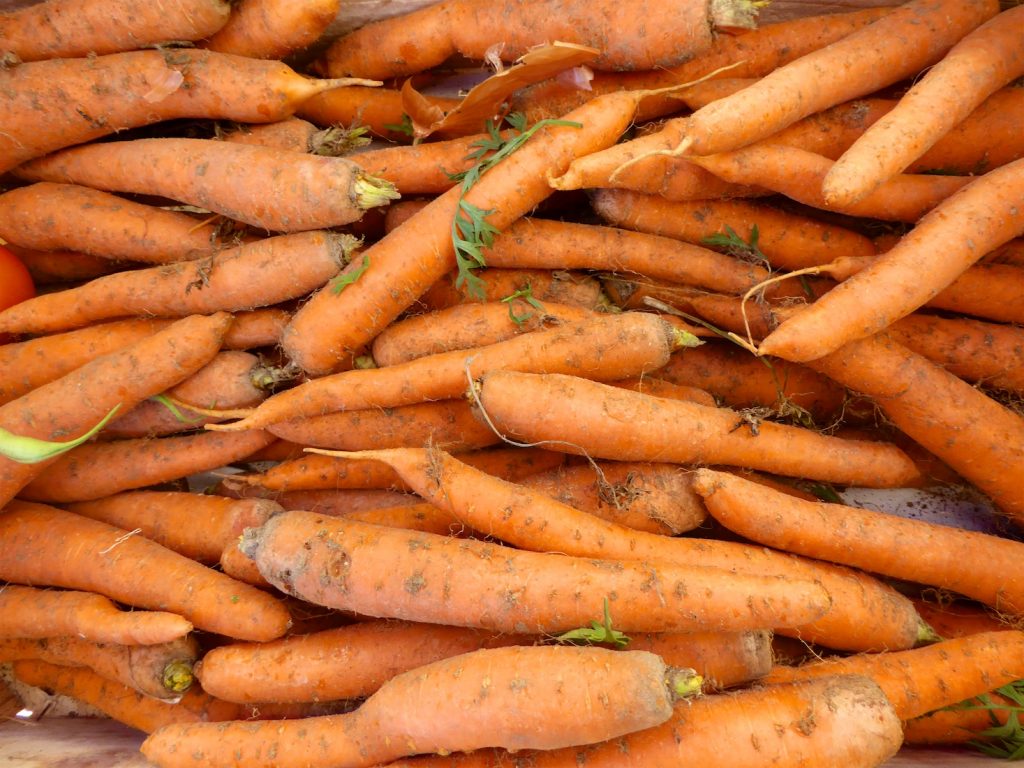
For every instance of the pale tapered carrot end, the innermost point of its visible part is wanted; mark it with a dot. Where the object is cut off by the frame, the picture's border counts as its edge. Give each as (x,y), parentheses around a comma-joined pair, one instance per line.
(233,426)
(684,146)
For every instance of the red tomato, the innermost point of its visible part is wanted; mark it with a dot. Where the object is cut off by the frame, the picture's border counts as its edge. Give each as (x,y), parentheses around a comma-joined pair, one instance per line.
(15,283)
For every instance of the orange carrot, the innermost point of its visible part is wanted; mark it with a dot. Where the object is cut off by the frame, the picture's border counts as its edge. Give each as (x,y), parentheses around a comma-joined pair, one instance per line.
(962,722)
(420,169)
(232,379)
(609,347)
(295,135)
(309,191)
(62,29)
(258,274)
(54,217)
(378,109)
(239,567)
(902,548)
(50,267)
(976,436)
(195,525)
(929,678)
(163,671)
(270,29)
(36,613)
(158,417)
(952,619)
(976,67)
(382,49)
(954,235)
(83,474)
(44,101)
(256,328)
(1011,252)
(787,240)
(573,287)
(650,385)
(97,557)
(861,63)
(69,406)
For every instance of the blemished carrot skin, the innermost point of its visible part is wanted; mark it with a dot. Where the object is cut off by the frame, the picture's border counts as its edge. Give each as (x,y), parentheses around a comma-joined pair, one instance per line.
(272,29)
(36,613)
(257,274)
(162,671)
(408,260)
(925,29)
(954,235)
(448,423)
(55,217)
(959,618)
(379,109)
(853,725)
(462,326)
(788,240)
(43,100)
(975,435)
(902,548)
(576,415)
(985,60)
(437,708)
(395,573)
(661,388)
(309,191)
(83,474)
(195,525)
(67,29)
(799,174)
(292,134)
(573,287)
(96,557)
(931,677)
(72,404)
(609,347)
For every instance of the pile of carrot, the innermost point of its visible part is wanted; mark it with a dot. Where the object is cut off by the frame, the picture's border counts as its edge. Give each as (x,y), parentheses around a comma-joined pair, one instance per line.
(332,442)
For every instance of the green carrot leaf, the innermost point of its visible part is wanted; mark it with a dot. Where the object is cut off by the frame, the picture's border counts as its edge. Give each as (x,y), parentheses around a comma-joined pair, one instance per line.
(526,294)
(31,450)
(344,280)
(597,633)
(169,404)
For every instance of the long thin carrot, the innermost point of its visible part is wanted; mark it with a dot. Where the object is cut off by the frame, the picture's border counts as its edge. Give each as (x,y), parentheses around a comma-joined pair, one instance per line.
(861,63)
(956,618)
(272,29)
(953,236)
(573,287)
(44,101)
(50,267)
(257,274)
(34,612)
(982,62)
(912,550)
(70,405)
(608,346)
(97,557)
(420,169)
(378,109)
(163,671)
(67,29)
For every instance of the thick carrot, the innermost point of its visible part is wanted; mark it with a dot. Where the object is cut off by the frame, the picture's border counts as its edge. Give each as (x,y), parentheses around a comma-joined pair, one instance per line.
(573,287)
(69,406)
(953,236)
(84,473)
(389,572)
(272,29)
(257,274)
(787,239)
(929,678)
(232,379)
(162,671)
(195,525)
(309,191)
(378,109)
(256,328)
(575,415)
(54,217)
(50,267)
(976,67)
(97,557)
(608,347)
(294,135)
(382,49)
(902,43)
(843,721)
(66,29)
(661,388)
(37,613)
(799,175)
(44,101)
(902,548)
(407,261)
(462,326)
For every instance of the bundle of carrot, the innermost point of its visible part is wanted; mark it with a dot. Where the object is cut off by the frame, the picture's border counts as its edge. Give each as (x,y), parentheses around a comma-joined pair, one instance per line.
(560,460)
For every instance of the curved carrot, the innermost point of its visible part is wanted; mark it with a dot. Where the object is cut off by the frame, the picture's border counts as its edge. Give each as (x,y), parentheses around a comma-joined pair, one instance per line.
(53,217)
(272,29)
(902,548)
(44,100)
(899,45)
(36,613)
(955,619)
(257,274)
(309,191)
(955,234)
(97,557)
(982,62)
(379,109)
(62,29)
